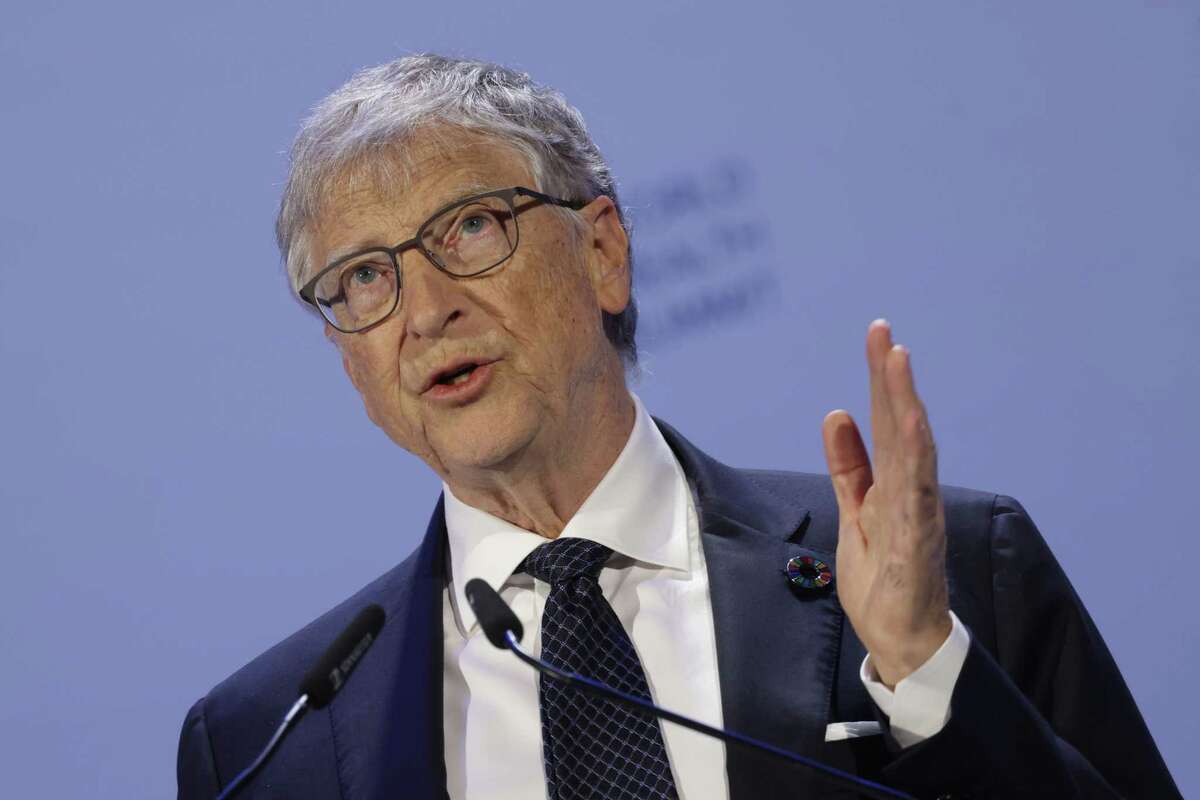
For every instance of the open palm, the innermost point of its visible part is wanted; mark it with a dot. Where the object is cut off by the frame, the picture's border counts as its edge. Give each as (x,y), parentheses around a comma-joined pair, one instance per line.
(892,533)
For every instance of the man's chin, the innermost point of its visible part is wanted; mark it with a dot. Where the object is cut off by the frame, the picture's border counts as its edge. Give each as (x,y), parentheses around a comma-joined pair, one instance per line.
(479,441)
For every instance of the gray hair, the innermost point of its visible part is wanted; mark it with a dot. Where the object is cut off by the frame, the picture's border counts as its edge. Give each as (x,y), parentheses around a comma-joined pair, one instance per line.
(357,127)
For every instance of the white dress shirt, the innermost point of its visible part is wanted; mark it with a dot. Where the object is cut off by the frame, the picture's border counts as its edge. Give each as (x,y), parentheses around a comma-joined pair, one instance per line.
(657,584)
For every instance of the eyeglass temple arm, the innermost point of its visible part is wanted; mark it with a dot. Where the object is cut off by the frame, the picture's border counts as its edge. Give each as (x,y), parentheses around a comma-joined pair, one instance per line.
(545,198)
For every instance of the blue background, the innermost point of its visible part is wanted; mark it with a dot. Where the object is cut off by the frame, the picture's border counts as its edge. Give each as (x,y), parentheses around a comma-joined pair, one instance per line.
(1009,183)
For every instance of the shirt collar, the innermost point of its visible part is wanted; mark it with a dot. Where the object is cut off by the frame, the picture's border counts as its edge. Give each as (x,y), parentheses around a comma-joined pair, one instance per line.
(639,509)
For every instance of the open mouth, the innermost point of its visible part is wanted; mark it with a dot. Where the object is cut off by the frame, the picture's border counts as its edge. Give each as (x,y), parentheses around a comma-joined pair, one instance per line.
(457,376)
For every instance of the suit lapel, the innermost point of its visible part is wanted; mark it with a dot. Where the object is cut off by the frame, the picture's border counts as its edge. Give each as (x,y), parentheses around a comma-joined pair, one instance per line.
(387,722)
(777,651)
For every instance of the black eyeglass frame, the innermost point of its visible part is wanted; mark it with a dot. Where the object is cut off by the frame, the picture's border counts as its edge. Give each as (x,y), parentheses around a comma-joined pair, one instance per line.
(308,291)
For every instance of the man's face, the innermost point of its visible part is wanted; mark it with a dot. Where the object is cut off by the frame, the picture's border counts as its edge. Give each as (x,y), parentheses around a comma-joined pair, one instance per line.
(532,326)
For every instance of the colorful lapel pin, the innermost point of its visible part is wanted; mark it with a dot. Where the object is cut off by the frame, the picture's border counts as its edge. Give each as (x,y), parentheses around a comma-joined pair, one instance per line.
(809,574)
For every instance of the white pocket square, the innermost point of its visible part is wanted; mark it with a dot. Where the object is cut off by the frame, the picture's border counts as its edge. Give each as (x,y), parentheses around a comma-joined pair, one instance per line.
(839,731)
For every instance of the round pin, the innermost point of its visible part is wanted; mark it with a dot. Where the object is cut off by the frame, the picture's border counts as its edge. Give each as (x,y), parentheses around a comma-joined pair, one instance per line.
(808,573)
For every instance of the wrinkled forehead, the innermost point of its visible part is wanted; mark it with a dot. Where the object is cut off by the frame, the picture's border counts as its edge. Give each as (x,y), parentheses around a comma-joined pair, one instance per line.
(382,197)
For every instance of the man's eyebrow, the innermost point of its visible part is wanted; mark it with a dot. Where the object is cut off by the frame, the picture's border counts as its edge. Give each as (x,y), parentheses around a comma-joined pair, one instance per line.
(369,243)
(460,192)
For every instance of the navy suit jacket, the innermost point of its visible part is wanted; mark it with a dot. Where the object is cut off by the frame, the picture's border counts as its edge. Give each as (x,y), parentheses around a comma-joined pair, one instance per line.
(1039,709)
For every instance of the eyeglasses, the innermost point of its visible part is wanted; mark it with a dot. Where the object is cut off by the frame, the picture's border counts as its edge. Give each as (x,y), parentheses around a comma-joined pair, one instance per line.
(464,239)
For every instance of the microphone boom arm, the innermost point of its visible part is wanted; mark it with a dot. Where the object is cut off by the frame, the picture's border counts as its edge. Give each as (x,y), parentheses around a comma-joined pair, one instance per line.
(593,687)
(293,716)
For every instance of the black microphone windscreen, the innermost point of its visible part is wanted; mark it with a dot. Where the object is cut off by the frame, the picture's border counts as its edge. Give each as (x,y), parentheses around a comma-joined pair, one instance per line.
(329,674)
(494,615)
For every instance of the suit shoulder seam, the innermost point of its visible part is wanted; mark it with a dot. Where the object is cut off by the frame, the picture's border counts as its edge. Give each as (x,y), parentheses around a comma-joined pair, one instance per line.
(212,753)
(991,557)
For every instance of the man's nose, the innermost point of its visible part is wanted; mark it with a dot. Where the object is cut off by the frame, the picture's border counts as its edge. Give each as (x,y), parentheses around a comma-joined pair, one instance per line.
(430,299)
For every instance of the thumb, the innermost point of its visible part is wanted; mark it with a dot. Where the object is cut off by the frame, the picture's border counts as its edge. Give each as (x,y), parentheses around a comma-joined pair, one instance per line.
(849,464)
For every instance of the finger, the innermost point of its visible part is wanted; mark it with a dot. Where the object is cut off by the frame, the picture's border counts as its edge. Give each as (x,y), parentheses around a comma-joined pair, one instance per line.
(849,464)
(912,421)
(879,343)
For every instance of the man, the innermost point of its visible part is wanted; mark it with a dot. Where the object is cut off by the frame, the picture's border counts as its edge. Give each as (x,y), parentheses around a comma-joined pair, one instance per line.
(492,342)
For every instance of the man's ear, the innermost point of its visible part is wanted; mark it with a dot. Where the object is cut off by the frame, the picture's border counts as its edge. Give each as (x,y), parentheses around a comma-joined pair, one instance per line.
(607,246)
(333,335)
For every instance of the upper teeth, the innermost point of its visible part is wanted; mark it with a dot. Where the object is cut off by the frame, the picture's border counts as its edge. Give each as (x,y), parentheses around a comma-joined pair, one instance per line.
(459,375)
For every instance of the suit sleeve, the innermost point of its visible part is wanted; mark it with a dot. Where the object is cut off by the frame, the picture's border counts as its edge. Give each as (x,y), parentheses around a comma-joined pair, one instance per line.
(1047,714)
(195,767)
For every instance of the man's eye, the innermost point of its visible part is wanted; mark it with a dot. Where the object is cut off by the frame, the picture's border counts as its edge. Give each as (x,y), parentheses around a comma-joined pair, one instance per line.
(474,224)
(363,275)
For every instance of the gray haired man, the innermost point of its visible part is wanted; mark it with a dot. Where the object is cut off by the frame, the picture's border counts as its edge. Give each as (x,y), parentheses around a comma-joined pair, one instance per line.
(461,237)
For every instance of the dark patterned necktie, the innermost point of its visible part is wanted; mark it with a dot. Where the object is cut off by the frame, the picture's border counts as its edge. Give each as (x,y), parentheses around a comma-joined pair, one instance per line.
(592,748)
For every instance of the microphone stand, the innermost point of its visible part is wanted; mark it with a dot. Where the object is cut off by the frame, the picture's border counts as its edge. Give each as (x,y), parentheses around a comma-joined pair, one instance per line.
(293,716)
(593,687)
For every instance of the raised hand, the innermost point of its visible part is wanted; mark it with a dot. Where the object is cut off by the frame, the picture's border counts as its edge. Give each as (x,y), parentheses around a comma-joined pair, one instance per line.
(891,554)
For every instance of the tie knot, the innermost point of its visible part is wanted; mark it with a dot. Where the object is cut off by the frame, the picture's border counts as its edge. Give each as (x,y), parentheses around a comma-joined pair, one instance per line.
(564,559)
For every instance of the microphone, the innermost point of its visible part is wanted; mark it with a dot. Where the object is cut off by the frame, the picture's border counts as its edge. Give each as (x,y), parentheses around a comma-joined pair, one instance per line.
(324,680)
(504,630)
(329,674)
(494,615)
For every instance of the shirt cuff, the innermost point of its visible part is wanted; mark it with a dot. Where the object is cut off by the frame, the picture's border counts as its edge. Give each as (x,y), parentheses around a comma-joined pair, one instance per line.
(920,705)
